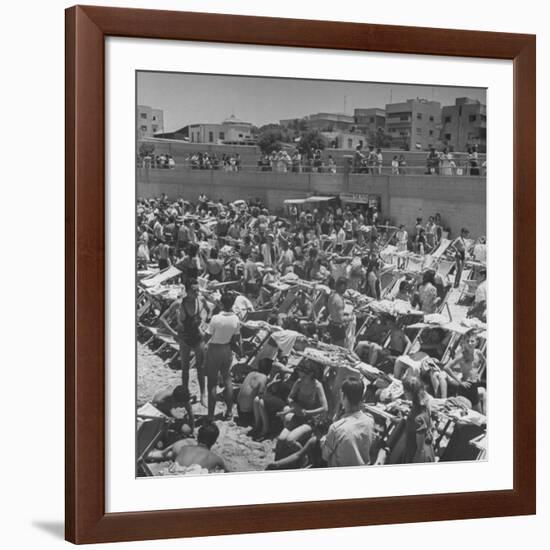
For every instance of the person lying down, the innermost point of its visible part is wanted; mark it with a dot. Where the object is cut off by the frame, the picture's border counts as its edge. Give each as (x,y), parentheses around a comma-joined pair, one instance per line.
(188,458)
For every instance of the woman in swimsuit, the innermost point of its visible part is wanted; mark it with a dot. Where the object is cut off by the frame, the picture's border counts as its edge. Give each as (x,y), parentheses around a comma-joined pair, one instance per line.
(190,336)
(307,402)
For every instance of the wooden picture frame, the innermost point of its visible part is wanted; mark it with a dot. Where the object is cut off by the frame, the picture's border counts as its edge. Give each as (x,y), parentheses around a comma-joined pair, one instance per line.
(86,30)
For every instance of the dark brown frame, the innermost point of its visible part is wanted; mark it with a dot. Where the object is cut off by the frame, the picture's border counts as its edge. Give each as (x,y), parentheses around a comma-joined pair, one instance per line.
(86,29)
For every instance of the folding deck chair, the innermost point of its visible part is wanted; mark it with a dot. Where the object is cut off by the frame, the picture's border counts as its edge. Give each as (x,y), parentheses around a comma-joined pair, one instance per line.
(149,433)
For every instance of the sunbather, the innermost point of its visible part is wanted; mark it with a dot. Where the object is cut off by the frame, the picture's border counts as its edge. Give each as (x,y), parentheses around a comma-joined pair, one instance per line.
(175,403)
(185,455)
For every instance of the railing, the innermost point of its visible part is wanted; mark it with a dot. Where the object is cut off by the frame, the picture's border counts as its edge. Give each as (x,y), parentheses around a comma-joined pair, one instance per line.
(460,168)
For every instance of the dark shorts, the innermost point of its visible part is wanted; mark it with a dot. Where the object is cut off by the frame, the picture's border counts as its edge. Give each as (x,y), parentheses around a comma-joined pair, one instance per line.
(337,332)
(470,393)
(218,361)
(246,418)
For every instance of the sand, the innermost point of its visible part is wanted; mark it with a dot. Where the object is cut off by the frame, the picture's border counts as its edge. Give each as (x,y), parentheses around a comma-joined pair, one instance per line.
(240,452)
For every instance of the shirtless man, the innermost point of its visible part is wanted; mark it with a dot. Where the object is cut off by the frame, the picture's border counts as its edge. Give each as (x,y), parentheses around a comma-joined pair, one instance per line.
(253,385)
(338,319)
(188,455)
(463,371)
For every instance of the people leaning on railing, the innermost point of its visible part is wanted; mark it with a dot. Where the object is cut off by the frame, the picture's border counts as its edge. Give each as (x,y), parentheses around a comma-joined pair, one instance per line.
(441,163)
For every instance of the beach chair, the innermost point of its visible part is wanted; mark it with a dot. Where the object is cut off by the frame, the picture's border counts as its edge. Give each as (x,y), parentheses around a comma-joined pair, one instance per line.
(260,315)
(149,433)
(143,304)
(159,341)
(468,291)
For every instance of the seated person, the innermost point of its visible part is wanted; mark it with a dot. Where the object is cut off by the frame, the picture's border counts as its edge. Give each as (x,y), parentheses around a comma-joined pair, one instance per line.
(433,343)
(176,403)
(307,402)
(189,455)
(269,404)
(404,292)
(376,333)
(395,344)
(253,385)
(463,373)
(304,455)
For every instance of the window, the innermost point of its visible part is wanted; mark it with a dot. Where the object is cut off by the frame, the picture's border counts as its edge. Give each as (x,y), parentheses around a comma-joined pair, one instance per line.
(240,135)
(371,119)
(222,135)
(143,115)
(419,130)
(210,137)
(431,118)
(418,116)
(155,128)
(154,117)
(404,117)
(447,119)
(484,118)
(472,118)
(448,137)
(143,128)
(431,132)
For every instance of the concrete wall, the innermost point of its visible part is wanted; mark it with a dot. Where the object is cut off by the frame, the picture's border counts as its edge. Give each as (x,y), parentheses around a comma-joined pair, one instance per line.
(460,200)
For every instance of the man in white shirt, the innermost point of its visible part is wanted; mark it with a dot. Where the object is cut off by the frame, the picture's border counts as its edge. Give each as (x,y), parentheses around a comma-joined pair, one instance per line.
(349,439)
(224,327)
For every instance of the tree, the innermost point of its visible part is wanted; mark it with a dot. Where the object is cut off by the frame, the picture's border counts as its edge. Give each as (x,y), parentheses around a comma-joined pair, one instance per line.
(380,138)
(146,148)
(270,141)
(310,141)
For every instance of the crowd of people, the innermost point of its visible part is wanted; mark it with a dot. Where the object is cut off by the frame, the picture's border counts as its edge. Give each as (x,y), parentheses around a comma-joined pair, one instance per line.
(162,161)
(294,161)
(228,162)
(444,163)
(368,161)
(315,419)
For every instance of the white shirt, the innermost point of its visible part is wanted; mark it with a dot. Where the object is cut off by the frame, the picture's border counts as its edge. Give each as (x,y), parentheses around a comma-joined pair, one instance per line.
(223,327)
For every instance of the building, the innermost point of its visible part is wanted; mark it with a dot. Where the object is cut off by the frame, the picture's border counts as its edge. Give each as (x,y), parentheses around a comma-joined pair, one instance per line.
(149,121)
(323,122)
(414,124)
(369,120)
(464,124)
(231,131)
(345,140)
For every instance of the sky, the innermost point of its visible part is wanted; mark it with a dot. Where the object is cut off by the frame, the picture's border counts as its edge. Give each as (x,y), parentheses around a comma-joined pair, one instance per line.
(200,98)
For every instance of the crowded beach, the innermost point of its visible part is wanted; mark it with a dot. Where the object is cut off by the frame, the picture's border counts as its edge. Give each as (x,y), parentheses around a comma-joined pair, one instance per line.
(317,336)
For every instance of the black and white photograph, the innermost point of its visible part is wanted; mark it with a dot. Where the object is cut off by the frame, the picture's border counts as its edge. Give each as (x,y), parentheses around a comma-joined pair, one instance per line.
(311,264)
